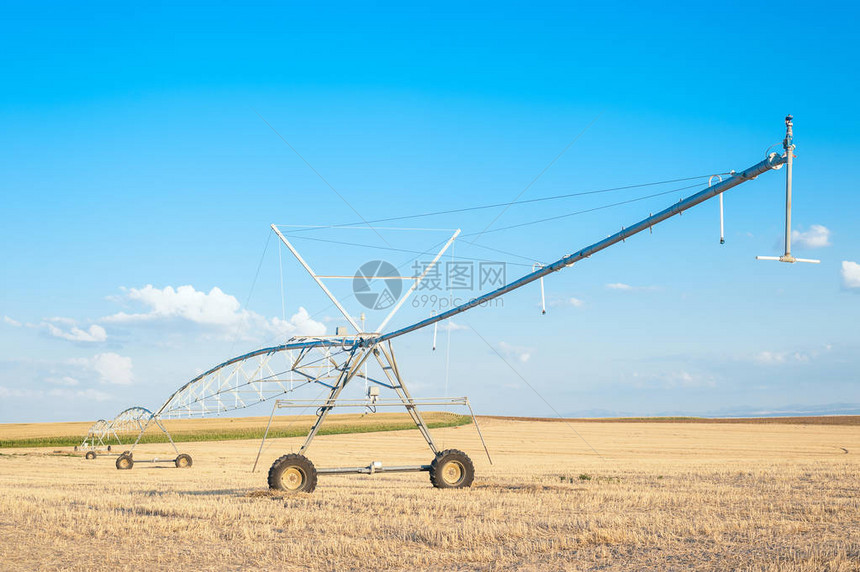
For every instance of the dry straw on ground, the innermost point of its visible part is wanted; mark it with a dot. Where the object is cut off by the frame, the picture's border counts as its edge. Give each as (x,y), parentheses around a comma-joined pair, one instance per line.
(667,496)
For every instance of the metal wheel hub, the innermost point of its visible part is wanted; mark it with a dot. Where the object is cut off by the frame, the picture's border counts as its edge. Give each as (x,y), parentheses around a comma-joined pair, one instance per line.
(452,472)
(292,478)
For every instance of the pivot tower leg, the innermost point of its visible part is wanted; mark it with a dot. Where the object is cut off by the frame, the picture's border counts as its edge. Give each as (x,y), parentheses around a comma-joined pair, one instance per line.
(393,375)
(350,369)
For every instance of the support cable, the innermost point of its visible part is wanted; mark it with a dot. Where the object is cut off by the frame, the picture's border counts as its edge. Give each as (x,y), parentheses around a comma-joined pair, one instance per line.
(253,284)
(536,392)
(611,205)
(517,202)
(538,176)
(586,210)
(281,269)
(318,174)
(448,342)
(419,253)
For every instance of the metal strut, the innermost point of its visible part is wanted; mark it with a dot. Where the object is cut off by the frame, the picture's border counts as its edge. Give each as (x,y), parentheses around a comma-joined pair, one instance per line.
(347,373)
(154,419)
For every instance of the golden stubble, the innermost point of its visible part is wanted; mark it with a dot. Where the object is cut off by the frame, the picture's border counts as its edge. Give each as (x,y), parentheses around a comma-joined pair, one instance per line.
(660,495)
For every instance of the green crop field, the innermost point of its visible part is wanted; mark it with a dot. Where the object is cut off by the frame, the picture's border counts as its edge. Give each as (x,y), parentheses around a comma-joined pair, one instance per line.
(184,431)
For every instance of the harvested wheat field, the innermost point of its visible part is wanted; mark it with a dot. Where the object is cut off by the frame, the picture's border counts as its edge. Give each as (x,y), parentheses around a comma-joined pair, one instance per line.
(667,496)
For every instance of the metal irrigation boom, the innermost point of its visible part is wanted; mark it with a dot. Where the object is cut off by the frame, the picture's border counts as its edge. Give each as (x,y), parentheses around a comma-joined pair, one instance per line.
(131,420)
(771,162)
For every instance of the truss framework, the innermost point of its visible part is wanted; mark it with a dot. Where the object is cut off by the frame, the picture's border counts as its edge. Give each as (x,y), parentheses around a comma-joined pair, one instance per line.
(258,376)
(131,420)
(250,379)
(97,434)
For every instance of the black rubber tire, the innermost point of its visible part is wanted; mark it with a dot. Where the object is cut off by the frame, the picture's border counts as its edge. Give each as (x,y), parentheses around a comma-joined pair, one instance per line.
(124,462)
(90,455)
(76,447)
(452,469)
(183,461)
(293,473)
(108,448)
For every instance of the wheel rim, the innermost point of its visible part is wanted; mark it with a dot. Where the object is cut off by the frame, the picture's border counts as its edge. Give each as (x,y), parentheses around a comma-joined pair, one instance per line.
(183,462)
(292,478)
(123,463)
(452,472)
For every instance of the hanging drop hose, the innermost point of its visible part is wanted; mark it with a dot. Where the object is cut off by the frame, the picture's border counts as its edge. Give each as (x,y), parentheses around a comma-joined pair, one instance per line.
(542,297)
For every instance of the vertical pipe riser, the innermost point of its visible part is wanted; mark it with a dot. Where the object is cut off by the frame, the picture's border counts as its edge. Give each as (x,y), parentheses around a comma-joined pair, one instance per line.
(788,145)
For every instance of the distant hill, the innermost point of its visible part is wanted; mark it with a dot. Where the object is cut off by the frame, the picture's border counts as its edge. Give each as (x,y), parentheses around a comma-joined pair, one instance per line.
(729,412)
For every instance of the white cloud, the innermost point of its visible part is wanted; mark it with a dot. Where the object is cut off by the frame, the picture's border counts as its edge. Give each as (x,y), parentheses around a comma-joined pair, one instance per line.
(769,357)
(452,326)
(794,356)
(112,368)
(94,333)
(14,392)
(215,309)
(11,322)
(520,353)
(620,286)
(817,236)
(681,379)
(776,358)
(573,302)
(299,324)
(850,274)
(88,394)
(65,381)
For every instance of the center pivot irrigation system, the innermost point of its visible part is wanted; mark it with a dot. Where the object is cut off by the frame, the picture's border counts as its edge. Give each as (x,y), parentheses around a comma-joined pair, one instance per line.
(131,421)
(332,362)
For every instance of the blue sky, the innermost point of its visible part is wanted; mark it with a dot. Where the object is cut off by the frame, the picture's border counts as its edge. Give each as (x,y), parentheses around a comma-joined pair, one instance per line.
(135,162)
